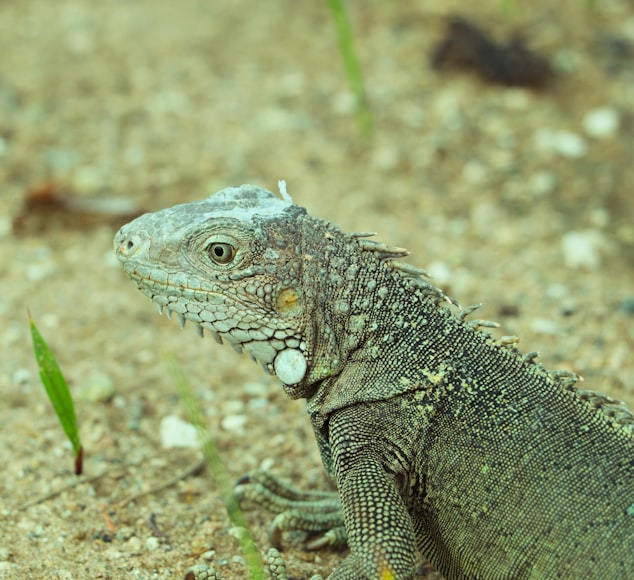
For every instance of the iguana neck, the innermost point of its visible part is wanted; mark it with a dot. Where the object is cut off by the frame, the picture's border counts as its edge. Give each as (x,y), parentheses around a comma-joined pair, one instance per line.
(363,314)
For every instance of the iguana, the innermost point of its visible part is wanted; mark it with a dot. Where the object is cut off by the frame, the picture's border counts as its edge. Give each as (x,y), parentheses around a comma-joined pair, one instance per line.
(442,440)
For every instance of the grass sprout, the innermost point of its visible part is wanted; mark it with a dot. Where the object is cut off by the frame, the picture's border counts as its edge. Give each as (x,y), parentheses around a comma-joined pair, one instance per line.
(220,473)
(58,392)
(351,64)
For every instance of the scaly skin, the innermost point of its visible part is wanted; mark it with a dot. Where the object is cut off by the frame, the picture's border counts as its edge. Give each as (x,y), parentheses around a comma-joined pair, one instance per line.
(441,440)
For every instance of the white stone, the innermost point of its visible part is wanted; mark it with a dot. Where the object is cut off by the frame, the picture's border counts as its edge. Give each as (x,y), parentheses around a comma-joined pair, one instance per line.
(290,366)
(440,273)
(542,183)
(601,123)
(474,172)
(565,143)
(175,432)
(255,389)
(98,388)
(152,544)
(544,326)
(582,248)
(233,422)
(556,291)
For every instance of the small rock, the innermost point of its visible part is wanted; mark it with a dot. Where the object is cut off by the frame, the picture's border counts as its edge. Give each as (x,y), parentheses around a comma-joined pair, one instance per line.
(175,432)
(544,326)
(254,389)
(21,377)
(601,123)
(152,544)
(99,388)
(474,172)
(440,273)
(5,226)
(238,532)
(232,407)
(582,248)
(542,183)
(233,422)
(133,545)
(257,404)
(565,143)
(89,179)
(385,158)
(556,291)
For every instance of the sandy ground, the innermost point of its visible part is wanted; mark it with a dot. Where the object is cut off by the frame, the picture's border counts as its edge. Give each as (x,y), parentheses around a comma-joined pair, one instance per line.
(518,199)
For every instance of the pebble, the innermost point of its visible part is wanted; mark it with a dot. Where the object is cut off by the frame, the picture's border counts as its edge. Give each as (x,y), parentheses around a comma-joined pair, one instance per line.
(565,143)
(255,389)
(152,544)
(542,183)
(133,545)
(5,226)
(232,407)
(21,377)
(440,273)
(474,172)
(257,404)
(582,249)
(89,179)
(99,388)
(601,123)
(556,291)
(233,422)
(544,326)
(175,432)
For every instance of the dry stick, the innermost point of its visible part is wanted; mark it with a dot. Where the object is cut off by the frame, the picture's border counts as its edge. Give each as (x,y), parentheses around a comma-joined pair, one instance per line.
(191,470)
(52,494)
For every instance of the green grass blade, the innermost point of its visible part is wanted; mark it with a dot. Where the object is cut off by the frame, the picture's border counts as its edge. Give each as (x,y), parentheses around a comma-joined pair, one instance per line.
(351,64)
(58,392)
(221,475)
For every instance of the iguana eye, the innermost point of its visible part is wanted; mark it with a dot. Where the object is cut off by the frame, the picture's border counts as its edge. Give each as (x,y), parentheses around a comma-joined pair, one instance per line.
(221,253)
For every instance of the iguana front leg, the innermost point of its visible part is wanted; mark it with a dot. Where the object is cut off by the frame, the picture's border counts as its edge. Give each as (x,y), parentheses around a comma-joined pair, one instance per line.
(380,530)
(315,512)
(366,465)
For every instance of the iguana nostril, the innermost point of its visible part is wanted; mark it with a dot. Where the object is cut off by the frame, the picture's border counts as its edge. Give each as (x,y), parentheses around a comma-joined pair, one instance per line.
(128,244)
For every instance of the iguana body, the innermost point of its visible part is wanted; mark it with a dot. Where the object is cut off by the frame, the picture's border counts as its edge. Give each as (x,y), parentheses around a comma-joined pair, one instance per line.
(441,440)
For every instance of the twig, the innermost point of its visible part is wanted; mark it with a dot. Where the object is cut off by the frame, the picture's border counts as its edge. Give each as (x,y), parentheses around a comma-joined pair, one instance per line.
(191,470)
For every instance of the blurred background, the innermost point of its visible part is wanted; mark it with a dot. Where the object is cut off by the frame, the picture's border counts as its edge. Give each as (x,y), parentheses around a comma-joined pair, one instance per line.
(497,144)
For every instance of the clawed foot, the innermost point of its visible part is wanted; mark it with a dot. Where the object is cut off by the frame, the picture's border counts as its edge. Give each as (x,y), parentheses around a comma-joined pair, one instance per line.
(317,513)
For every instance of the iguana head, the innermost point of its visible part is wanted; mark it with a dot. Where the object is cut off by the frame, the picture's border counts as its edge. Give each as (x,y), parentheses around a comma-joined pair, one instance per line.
(230,264)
